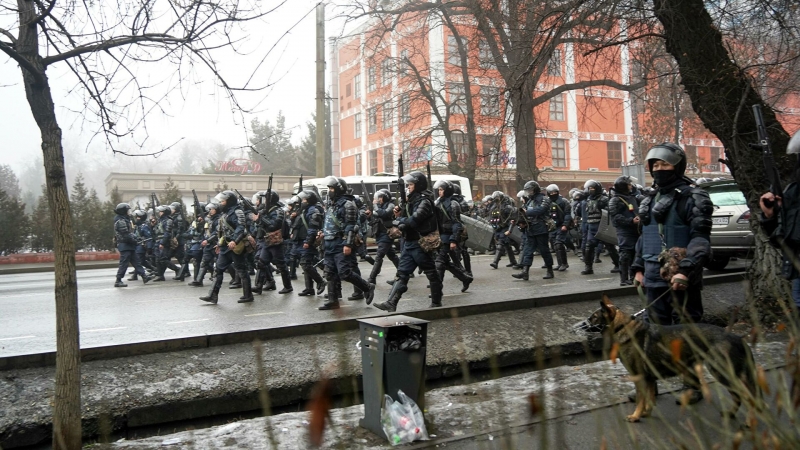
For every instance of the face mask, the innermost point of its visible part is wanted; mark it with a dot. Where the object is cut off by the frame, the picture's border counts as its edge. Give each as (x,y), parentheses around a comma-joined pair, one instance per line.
(664,177)
(554,197)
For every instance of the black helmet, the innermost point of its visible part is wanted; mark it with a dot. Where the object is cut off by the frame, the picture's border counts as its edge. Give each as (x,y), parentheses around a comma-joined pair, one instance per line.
(444,184)
(163,209)
(201,206)
(552,189)
(212,205)
(122,209)
(176,206)
(456,188)
(139,214)
(229,197)
(311,197)
(592,184)
(385,194)
(623,184)
(418,179)
(532,187)
(336,185)
(273,199)
(669,152)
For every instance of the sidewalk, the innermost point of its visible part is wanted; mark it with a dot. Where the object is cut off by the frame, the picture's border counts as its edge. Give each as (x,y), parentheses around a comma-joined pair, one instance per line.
(12,269)
(575,407)
(157,389)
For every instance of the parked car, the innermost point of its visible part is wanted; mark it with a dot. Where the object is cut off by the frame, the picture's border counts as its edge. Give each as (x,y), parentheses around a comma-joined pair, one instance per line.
(730,233)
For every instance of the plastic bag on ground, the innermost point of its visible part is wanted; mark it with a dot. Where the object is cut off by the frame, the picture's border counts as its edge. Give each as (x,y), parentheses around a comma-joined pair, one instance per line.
(402,420)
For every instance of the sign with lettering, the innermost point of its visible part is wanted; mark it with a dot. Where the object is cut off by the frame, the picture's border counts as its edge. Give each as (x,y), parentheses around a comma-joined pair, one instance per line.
(241,166)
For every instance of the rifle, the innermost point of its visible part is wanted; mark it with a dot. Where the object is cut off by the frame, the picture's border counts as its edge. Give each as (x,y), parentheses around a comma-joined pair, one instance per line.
(766,151)
(300,186)
(247,205)
(368,201)
(197,210)
(154,200)
(401,184)
(430,180)
(265,204)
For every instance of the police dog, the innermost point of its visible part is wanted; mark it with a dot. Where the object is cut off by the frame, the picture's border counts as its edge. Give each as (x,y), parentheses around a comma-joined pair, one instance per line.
(651,352)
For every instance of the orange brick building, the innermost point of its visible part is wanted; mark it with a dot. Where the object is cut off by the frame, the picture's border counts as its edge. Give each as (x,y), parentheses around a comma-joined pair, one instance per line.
(379,110)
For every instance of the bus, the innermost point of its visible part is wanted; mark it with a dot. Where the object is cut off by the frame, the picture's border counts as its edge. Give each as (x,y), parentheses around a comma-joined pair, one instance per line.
(381,181)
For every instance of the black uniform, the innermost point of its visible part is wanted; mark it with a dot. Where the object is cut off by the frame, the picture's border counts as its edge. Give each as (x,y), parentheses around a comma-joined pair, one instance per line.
(381,222)
(271,222)
(448,213)
(623,209)
(231,228)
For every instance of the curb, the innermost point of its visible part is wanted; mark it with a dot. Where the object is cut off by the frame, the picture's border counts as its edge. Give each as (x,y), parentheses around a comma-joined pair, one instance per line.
(45,359)
(43,269)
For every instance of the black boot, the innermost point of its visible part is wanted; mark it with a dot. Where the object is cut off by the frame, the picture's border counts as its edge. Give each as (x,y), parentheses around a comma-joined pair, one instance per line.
(133,277)
(588,257)
(309,284)
(358,294)
(369,259)
(182,272)
(332,301)
(436,295)
(398,288)
(270,284)
(522,275)
(246,289)
(376,270)
(497,255)
(513,259)
(549,274)
(624,273)
(467,263)
(236,282)
(119,283)
(561,254)
(319,280)
(198,280)
(287,282)
(213,295)
(615,269)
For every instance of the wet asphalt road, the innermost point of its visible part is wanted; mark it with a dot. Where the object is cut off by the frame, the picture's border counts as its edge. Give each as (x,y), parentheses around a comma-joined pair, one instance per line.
(138,313)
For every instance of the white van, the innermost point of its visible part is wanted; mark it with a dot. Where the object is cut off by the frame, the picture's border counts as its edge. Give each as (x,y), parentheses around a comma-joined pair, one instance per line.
(382,181)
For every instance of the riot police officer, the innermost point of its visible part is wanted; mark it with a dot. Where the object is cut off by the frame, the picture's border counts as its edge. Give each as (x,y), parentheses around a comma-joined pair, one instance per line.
(448,215)
(208,244)
(164,238)
(596,201)
(381,216)
(272,221)
(232,246)
(537,211)
(126,245)
(194,249)
(416,219)
(340,241)
(144,242)
(179,227)
(465,209)
(623,209)
(502,219)
(305,230)
(561,213)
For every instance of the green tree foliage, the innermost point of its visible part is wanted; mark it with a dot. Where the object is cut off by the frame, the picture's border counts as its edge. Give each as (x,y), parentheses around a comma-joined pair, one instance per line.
(218,153)
(98,219)
(14,223)
(9,183)
(272,147)
(78,207)
(41,233)
(307,151)
(186,161)
(171,193)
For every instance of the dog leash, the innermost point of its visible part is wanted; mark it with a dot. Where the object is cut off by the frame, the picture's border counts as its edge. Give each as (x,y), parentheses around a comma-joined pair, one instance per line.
(643,297)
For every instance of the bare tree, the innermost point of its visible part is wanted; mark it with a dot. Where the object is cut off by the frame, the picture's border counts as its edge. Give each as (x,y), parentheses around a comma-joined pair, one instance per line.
(103,45)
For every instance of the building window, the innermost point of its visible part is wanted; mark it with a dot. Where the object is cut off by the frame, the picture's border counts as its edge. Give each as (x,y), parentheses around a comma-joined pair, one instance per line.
(453,56)
(348,90)
(388,112)
(388,159)
(371,83)
(559,149)
(490,101)
(405,108)
(491,149)
(386,71)
(357,126)
(460,146)
(406,149)
(402,65)
(373,162)
(357,86)
(614,154)
(372,120)
(554,64)
(714,164)
(485,58)
(557,108)
(358,163)
(458,101)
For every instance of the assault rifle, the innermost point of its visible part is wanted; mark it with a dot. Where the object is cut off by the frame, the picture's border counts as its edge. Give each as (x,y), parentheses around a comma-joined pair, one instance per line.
(766,151)
(368,197)
(265,203)
(300,186)
(197,210)
(430,179)
(247,205)
(154,200)
(401,185)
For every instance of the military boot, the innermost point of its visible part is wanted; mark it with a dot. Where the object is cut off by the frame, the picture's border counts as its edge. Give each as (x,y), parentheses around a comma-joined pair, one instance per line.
(133,277)
(588,257)
(246,289)
(549,274)
(259,285)
(198,280)
(119,283)
(394,297)
(270,283)
(561,253)
(237,282)
(523,275)
(376,270)
(436,295)
(332,301)
(287,282)
(358,294)
(213,294)
(309,286)
(497,255)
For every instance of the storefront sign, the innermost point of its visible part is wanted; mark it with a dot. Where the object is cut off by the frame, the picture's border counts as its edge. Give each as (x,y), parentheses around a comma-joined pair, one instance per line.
(241,166)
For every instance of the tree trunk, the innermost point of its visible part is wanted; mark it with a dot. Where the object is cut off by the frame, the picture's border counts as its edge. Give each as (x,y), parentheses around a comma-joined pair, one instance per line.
(524,134)
(67,402)
(722,96)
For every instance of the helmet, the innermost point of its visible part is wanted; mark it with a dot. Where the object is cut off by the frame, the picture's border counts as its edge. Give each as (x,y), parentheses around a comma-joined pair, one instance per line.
(456,188)
(212,205)
(794,145)
(552,189)
(122,209)
(229,197)
(577,195)
(294,201)
(385,194)
(309,196)
(418,179)
(139,214)
(532,187)
(592,184)
(336,185)
(273,199)
(623,184)
(522,195)
(669,152)
(176,207)
(445,185)
(163,209)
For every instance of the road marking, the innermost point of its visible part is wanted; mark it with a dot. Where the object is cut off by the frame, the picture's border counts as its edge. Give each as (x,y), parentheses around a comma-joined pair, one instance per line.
(599,279)
(554,284)
(509,289)
(455,295)
(263,314)
(18,337)
(103,329)
(187,321)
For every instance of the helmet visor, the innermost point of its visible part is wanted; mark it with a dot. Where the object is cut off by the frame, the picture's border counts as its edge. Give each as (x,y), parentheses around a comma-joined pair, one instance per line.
(665,154)
(794,145)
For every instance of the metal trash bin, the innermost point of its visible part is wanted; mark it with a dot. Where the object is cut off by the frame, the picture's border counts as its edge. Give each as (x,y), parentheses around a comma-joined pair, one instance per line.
(392,358)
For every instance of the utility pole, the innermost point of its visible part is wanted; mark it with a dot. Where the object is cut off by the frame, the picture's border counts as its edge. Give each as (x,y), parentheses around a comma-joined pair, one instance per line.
(320,90)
